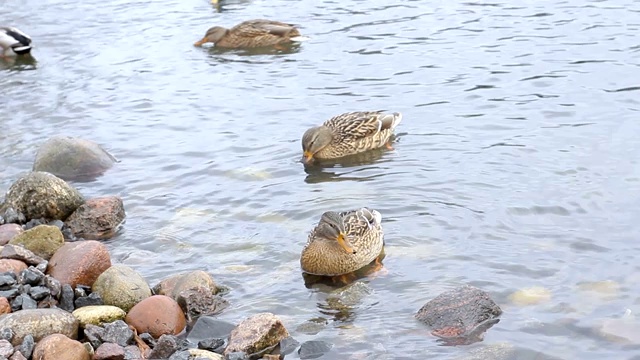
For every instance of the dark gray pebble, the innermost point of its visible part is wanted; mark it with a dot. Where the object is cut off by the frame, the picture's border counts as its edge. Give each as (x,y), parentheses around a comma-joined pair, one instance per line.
(92,299)
(118,332)
(26,348)
(215,344)
(39,292)
(31,276)
(6,281)
(66,298)
(313,349)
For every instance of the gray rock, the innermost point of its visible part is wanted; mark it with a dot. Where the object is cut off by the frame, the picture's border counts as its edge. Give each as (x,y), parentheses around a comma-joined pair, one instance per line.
(200,301)
(42,195)
(11,293)
(256,334)
(118,332)
(6,349)
(94,334)
(28,302)
(66,298)
(121,286)
(39,292)
(207,328)
(11,216)
(57,223)
(288,345)
(132,352)
(92,299)
(42,266)
(80,291)
(148,339)
(6,334)
(236,355)
(19,253)
(215,344)
(180,355)
(167,345)
(53,285)
(72,158)
(31,276)
(26,348)
(40,323)
(6,280)
(16,304)
(313,349)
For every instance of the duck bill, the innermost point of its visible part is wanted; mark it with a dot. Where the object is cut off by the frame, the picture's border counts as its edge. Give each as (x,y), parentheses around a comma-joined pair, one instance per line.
(345,244)
(307,157)
(201,42)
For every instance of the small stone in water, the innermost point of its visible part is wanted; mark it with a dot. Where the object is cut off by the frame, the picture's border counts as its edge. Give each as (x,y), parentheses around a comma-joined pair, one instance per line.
(6,334)
(92,299)
(313,349)
(6,349)
(118,332)
(216,345)
(66,298)
(26,348)
(6,280)
(31,276)
(288,345)
(530,296)
(39,292)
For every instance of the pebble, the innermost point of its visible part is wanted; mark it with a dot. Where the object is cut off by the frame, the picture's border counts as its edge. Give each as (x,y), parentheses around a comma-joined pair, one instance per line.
(167,345)
(118,332)
(6,349)
(17,252)
(39,323)
(109,351)
(314,349)
(66,298)
(92,300)
(256,334)
(26,348)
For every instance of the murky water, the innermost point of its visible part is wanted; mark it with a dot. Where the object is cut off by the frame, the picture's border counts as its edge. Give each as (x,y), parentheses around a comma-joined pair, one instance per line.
(516,164)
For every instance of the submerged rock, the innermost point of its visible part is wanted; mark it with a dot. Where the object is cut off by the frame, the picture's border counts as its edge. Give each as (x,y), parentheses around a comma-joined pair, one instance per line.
(42,240)
(200,301)
(42,195)
(72,158)
(157,315)
(461,315)
(121,286)
(98,218)
(39,323)
(80,263)
(256,333)
(314,349)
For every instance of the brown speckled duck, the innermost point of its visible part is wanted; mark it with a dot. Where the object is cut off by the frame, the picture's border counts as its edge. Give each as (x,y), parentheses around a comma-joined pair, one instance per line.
(251,34)
(348,134)
(343,242)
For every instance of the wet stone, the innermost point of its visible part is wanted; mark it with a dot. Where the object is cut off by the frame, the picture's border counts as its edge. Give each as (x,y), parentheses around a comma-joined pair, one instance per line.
(6,280)
(216,345)
(66,298)
(288,345)
(31,276)
(92,299)
(26,348)
(28,302)
(167,345)
(313,349)
(118,332)
(6,349)
(39,292)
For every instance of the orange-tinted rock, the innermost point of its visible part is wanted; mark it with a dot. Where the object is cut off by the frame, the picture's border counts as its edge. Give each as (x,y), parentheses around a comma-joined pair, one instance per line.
(157,315)
(57,347)
(12,265)
(79,263)
(5,307)
(98,218)
(8,232)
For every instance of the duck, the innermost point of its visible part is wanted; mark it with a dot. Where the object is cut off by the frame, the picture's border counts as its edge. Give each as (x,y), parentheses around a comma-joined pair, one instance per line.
(348,134)
(343,242)
(251,34)
(14,42)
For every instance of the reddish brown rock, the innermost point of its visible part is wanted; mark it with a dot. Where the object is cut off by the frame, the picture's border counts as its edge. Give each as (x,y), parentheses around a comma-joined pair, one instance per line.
(5,307)
(79,263)
(157,315)
(58,346)
(109,351)
(8,232)
(12,265)
(98,218)
(256,333)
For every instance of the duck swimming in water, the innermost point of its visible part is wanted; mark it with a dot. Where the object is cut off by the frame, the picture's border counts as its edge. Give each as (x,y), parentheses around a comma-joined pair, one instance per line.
(14,42)
(251,34)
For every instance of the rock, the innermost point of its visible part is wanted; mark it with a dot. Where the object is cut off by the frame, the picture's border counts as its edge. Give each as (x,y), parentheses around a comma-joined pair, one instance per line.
(26,348)
(39,323)
(12,265)
(109,351)
(80,262)
(216,345)
(8,232)
(167,345)
(31,276)
(7,279)
(53,285)
(98,218)
(58,346)
(200,301)
(98,314)
(157,315)
(462,314)
(92,300)
(256,333)
(148,339)
(17,355)
(17,252)
(121,286)
(39,292)
(42,267)
(94,334)
(42,195)
(42,240)
(208,327)
(72,158)
(132,352)
(66,298)
(237,355)
(118,332)
(11,293)
(5,308)
(313,349)
(6,349)
(174,285)
(27,302)
(193,354)
(6,334)
(530,296)
(12,216)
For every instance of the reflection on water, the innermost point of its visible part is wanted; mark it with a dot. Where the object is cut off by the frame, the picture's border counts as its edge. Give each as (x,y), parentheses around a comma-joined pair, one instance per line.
(516,168)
